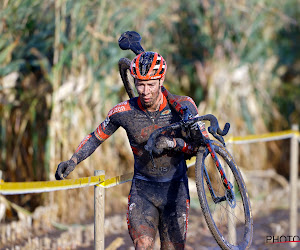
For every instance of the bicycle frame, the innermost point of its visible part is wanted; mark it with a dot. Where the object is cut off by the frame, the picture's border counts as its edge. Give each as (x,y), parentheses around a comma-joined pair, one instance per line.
(228,186)
(206,141)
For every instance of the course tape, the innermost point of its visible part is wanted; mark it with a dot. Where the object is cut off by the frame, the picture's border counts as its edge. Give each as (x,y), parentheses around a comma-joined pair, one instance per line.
(128,177)
(116,180)
(263,137)
(8,188)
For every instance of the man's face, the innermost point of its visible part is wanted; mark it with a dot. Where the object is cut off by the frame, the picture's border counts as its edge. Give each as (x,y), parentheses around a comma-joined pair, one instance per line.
(149,92)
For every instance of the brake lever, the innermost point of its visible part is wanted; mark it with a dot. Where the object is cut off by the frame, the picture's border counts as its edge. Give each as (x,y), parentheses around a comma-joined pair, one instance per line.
(213,131)
(225,130)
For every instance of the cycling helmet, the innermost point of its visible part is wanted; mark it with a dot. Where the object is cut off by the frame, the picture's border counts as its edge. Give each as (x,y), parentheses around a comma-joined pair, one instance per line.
(148,65)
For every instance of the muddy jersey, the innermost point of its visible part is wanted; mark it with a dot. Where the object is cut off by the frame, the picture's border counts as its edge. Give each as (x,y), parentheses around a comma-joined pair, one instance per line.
(139,124)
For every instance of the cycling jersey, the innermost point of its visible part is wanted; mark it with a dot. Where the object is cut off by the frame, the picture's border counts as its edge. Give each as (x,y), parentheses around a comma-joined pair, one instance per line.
(139,124)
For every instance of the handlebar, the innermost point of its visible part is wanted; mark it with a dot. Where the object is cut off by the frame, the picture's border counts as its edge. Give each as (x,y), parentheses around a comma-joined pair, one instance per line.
(214,129)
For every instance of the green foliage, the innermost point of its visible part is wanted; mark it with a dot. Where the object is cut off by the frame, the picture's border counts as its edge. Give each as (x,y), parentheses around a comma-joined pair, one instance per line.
(51,43)
(26,25)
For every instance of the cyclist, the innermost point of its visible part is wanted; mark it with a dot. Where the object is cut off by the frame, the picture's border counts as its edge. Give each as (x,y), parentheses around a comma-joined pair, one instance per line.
(159,196)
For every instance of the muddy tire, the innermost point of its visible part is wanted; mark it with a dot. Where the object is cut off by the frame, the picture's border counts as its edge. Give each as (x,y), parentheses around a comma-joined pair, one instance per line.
(124,66)
(223,217)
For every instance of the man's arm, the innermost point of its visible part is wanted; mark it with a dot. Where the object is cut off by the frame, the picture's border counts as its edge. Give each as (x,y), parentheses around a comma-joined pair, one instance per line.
(185,145)
(87,146)
(84,150)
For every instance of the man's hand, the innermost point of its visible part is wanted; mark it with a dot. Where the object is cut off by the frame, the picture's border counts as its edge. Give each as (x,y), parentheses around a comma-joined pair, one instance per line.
(64,169)
(164,142)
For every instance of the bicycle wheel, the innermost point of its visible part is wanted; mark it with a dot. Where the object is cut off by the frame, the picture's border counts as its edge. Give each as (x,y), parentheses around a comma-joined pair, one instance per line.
(230,223)
(124,65)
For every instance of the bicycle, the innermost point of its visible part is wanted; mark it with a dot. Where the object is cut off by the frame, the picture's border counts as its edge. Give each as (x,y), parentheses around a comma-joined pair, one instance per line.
(220,186)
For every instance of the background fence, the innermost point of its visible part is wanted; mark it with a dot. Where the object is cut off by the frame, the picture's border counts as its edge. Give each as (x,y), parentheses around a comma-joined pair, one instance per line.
(99,182)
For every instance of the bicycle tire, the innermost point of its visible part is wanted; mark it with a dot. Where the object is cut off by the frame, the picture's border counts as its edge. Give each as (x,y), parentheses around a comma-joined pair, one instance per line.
(124,65)
(217,221)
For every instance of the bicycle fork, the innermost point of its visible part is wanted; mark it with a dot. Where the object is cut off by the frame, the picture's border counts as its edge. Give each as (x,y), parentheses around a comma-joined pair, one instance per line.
(229,193)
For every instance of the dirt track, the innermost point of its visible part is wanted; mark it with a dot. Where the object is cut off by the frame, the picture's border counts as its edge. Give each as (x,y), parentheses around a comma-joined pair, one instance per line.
(275,223)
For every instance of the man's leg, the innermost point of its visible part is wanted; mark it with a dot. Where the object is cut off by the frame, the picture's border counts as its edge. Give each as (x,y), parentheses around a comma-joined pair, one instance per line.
(173,221)
(142,218)
(144,242)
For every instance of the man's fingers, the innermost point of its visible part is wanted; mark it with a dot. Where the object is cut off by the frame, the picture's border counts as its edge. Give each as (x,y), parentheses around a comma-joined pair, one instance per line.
(68,171)
(58,175)
(60,169)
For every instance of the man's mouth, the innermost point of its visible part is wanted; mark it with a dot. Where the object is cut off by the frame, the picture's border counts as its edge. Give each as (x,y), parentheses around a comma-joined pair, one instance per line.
(146,99)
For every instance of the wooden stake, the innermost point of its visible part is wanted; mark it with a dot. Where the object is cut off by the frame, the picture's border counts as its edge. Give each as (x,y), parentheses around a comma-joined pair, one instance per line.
(99,213)
(294,167)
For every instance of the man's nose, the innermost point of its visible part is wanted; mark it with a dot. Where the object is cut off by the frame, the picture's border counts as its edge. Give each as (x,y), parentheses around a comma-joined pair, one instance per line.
(146,90)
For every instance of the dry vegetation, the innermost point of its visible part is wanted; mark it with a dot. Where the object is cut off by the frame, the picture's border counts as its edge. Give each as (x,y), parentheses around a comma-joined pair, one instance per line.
(58,79)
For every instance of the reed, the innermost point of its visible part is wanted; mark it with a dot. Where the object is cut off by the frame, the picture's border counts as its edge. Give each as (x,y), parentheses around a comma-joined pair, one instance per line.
(59,79)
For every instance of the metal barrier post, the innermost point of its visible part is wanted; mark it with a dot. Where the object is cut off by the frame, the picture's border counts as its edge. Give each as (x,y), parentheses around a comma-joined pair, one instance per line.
(294,165)
(99,214)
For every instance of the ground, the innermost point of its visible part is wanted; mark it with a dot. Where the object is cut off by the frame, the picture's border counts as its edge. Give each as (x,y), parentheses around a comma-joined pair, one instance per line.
(275,223)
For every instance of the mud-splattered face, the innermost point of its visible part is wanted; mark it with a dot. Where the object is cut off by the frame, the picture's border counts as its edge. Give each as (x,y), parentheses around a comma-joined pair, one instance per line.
(150,93)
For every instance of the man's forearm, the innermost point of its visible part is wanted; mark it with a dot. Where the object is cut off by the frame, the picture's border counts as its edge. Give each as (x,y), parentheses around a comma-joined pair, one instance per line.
(86,148)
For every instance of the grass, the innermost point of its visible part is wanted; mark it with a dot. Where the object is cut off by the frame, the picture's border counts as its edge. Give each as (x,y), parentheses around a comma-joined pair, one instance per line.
(65,53)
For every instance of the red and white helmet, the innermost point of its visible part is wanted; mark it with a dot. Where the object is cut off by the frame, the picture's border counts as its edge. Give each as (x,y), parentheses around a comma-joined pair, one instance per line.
(148,65)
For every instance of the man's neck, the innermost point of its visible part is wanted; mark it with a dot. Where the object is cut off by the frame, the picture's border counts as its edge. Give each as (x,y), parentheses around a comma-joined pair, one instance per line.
(156,105)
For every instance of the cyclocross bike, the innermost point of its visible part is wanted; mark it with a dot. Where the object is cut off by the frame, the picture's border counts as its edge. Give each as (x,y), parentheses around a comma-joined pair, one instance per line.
(220,186)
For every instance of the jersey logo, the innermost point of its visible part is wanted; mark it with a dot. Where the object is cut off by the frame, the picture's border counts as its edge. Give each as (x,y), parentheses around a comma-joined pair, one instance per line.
(166,112)
(121,107)
(105,123)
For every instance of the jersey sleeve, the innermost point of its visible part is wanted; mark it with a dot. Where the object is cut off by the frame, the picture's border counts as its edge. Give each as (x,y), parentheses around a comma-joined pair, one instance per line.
(112,121)
(189,102)
(89,144)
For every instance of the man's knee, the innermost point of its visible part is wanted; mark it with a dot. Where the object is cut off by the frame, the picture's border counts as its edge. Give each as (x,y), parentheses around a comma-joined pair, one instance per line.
(144,242)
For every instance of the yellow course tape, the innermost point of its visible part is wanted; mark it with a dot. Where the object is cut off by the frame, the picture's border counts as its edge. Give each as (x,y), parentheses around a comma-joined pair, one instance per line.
(263,137)
(47,186)
(116,180)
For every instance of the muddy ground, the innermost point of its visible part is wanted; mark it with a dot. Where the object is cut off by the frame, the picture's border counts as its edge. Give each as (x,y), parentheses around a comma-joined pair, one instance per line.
(270,213)
(199,237)
(275,223)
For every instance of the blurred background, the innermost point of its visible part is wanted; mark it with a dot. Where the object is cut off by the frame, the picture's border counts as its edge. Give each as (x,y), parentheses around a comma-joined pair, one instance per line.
(239,60)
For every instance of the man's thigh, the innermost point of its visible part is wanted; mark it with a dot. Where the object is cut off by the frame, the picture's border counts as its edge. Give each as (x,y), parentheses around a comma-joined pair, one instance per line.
(142,216)
(173,221)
